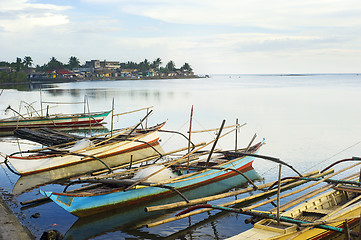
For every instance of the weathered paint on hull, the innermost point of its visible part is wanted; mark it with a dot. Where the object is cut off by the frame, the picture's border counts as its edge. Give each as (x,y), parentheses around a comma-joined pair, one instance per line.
(30,181)
(265,229)
(110,154)
(64,123)
(96,225)
(88,205)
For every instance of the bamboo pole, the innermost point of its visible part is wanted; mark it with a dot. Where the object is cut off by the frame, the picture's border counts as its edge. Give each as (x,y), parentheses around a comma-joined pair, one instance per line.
(278,194)
(215,142)
(242,200)
(215,197)
(328,215)
(301,189)
(114,136)
(359,236)
(236,137)
(216,129)
(141,161)
(318,222)
(112,121)
(176,161)
(34,201)
(41,102)
(250,143)
(346,230)
(189,137)
(306,196)
(90,120)
(26,114)
(119,114)
(64,102)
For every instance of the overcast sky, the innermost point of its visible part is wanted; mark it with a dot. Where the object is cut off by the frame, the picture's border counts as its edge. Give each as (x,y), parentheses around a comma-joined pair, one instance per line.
(213,36)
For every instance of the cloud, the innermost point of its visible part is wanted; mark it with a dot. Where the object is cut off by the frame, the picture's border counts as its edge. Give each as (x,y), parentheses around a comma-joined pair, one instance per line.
(21,16)
(278,14)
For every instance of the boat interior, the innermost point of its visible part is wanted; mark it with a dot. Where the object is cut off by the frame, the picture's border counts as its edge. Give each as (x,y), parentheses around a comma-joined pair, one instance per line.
(319,208)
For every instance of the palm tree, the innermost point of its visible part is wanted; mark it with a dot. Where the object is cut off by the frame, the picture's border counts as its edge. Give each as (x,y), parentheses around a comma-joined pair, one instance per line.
(144,66)
(28,62)
(156,63)
(186,68)
(73,62)
(54,64)
(170,66)
(19,65)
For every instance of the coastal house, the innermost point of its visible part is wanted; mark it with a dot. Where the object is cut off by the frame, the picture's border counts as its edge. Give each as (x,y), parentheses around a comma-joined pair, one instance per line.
(104,72)
(60,73)
(110,64)
(126,72)
(97,64)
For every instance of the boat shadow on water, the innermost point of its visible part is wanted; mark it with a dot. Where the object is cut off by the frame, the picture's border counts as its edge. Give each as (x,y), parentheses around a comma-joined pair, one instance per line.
(131,219)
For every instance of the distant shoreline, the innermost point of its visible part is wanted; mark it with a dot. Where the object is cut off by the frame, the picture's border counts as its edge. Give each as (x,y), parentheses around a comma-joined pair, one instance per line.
(67,80)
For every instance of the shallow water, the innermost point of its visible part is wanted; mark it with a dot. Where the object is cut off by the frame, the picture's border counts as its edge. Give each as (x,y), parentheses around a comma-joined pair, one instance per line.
(308,121)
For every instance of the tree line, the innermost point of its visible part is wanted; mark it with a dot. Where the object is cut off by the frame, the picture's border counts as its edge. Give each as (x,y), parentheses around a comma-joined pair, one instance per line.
(21,67)
(55,64)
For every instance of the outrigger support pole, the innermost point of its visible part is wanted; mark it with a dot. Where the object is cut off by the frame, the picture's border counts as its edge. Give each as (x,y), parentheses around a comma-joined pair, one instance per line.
(276,160)
(126,182)
(268,216)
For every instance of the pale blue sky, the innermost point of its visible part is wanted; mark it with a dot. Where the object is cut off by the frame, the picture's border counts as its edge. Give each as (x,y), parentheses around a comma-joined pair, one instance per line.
(228,36)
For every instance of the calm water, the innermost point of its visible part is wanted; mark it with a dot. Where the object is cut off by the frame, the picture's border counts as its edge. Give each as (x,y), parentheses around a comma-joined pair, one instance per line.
(308,121)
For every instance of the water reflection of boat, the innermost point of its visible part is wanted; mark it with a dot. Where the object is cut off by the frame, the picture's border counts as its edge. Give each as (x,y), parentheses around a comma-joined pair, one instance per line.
(126,220)
(89,155)
(129,192)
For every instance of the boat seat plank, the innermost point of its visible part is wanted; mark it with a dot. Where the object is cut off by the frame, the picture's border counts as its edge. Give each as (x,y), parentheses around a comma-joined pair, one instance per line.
(347,188)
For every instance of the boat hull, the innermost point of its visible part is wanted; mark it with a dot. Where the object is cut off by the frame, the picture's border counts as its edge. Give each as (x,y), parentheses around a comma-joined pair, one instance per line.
(61,122)
(84,205)
(97,225)
(99,157)
(268,228)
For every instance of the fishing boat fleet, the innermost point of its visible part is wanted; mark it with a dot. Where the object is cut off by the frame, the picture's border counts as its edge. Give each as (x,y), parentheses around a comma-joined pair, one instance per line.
(65,122)
(128,169)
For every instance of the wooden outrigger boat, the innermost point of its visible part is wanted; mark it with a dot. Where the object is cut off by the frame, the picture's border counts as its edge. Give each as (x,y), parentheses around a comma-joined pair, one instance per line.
(56,121)
(322,214)
(329,215)
(90,155)
(125,193)
(318,218)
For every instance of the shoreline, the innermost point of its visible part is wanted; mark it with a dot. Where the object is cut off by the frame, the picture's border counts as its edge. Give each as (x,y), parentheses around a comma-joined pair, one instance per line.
(67,80)
(10,226)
